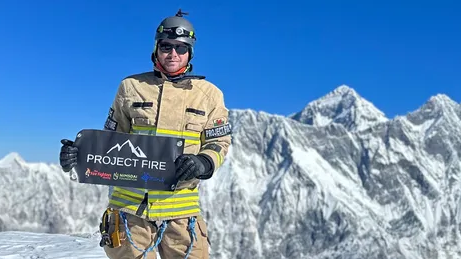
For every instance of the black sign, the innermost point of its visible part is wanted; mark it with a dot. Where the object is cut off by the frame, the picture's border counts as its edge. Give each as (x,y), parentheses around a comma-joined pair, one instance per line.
(120,159)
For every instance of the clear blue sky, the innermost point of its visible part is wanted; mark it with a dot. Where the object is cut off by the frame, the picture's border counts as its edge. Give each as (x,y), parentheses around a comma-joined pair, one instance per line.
(61,61)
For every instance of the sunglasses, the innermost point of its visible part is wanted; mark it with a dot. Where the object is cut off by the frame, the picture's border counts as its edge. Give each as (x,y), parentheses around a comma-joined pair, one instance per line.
(166,47)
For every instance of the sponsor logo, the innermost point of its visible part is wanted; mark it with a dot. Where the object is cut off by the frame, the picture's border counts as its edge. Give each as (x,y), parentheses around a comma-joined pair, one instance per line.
(147,177)
(96,173)
(125,177)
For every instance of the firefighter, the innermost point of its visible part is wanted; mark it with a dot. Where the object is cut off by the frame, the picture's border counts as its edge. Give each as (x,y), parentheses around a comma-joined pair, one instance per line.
(138,222)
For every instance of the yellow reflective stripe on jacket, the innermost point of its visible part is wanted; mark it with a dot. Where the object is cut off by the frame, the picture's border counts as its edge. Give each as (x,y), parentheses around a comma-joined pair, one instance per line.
(160,203)
(165,211)
(190,137)
(122,205)
(123,197)
(220,158)
(132,192)
(180,195)
(177,203)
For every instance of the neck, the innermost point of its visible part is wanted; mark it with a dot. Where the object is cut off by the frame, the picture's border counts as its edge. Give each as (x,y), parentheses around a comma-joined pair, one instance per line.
(182,70)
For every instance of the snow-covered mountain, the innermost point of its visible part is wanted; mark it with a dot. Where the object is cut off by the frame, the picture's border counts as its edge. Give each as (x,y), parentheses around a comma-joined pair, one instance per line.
(343,106)
(336,180)
(39,197)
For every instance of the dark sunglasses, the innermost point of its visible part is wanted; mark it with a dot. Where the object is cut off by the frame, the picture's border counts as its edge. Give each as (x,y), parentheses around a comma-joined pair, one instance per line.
(165,47)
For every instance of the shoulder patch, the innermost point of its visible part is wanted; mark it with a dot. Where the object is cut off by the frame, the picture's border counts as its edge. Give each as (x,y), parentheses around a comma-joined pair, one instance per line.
(110,123)
(217,132)
(111,113)
(219,122)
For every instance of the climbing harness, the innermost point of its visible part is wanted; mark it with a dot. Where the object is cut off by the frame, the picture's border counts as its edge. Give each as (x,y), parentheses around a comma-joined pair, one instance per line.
(149,249)
(113,239)
(191,228)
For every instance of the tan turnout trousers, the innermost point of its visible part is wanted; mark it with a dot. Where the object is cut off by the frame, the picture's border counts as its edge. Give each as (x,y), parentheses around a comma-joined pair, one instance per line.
(174,244)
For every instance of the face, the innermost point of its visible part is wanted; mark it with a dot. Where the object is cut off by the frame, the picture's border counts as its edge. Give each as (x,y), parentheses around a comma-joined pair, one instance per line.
(172,55)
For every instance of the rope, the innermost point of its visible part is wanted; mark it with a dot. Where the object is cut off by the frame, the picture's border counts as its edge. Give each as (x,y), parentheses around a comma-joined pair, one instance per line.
(149,249)
(193,235)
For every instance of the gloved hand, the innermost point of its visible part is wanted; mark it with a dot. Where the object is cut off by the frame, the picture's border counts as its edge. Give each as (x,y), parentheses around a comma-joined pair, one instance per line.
(68,155)
(190,166)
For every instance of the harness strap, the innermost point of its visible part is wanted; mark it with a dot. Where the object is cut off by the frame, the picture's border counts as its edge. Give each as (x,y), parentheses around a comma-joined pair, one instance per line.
(142,206)
(190,227)
(152,247)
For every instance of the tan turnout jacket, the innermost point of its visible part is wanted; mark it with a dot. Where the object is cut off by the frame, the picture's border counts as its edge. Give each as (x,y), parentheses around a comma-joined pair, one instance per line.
(193,109)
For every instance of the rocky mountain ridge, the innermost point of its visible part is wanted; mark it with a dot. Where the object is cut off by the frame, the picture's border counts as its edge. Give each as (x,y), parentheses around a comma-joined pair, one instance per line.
(336,180)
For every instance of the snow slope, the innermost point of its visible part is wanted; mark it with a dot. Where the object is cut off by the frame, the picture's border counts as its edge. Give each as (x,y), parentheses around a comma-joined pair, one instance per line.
(27,245)
(336,180)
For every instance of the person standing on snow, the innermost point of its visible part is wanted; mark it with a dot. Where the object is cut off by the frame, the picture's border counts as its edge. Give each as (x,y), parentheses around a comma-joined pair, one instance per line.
(167,101)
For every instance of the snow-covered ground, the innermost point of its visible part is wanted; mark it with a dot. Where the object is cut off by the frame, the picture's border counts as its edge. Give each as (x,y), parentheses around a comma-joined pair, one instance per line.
(29,245)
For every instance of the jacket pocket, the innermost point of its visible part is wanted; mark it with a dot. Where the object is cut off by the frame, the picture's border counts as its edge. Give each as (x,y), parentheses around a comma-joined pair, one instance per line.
(142,125)
(141,121)
(191,126)
(192,133)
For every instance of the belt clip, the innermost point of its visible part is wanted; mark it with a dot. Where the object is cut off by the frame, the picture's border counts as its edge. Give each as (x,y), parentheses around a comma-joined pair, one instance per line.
(116,235)
(104,230)
(111,240)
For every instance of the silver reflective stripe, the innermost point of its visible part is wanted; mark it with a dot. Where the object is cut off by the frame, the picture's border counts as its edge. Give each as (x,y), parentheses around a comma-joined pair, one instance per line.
(146,132)
(122,190)
(127,202)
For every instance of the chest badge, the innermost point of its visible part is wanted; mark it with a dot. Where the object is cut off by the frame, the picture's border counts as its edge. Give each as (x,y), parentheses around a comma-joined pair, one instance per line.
(219,122)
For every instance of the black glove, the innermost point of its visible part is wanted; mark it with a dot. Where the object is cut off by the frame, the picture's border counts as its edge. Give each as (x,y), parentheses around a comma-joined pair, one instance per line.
(190,166)
(68,155)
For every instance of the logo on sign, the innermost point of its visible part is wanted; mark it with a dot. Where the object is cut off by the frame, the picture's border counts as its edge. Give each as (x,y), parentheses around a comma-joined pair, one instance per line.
(126,160)
(96,173)
(135,150)
(125,177)
(147,177)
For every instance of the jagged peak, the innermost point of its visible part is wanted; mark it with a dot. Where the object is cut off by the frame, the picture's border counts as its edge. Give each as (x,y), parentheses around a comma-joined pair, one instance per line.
(436,107)
(441,100)
(344,106)
(439,103)
(343,90)
(10,158)
(344,93)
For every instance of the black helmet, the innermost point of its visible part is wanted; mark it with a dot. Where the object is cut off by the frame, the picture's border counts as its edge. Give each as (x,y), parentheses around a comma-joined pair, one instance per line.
(176,28)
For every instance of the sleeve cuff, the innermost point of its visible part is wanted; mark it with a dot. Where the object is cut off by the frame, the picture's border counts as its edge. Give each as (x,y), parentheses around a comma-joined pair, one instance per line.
(209,166)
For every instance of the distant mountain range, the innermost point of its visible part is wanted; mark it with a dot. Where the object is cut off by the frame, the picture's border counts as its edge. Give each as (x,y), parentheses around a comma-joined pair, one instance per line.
(335,180)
